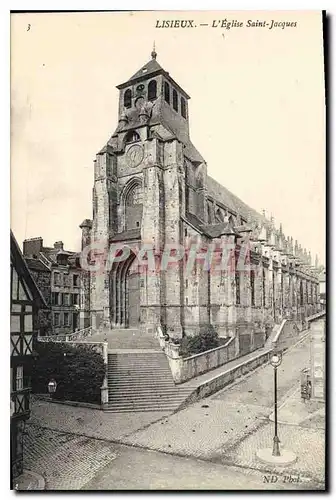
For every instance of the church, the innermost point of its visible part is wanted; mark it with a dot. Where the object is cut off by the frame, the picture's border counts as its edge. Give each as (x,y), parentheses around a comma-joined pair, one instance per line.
(151,188)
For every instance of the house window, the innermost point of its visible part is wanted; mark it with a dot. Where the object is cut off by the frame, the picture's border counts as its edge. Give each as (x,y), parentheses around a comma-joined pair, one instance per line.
(128,98)
(66,299)
(175,104)
(186,283)
(237,281)
(66,319)
(152,89)
(166,92)
(75,299)
(56,319)
(19,378)
(186,301)
(56,298)
(57,279)
(75,280)
(252,288)
(183,107)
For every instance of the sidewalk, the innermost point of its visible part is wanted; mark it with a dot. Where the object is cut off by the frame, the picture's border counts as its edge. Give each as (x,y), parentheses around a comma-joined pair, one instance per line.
(294,411)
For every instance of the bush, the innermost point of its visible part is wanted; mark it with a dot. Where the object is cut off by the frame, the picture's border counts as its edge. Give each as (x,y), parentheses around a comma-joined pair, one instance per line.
(78,370)
(205,340)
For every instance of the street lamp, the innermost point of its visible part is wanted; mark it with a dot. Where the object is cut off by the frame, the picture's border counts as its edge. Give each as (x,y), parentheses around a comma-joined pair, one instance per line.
(275,362)
(52,387)
(272,456)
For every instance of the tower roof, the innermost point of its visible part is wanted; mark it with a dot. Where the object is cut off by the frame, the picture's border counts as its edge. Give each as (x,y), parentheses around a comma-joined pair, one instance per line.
(150,69)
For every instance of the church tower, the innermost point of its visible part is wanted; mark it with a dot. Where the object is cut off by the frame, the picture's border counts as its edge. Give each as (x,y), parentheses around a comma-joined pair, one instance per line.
(146,178)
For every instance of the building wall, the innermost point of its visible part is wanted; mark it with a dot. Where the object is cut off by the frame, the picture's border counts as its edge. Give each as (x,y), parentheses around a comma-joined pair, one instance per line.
(183,302)
(65,299)
(173,178)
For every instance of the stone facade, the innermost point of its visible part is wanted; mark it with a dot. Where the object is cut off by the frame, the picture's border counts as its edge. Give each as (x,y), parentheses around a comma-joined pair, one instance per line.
(58,275)
(152,189)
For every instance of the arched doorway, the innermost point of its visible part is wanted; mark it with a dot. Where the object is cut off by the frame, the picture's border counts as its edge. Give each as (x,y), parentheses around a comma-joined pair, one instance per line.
(125,293)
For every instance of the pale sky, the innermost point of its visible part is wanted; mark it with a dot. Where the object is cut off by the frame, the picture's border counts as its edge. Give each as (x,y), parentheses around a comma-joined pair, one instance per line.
(256,111)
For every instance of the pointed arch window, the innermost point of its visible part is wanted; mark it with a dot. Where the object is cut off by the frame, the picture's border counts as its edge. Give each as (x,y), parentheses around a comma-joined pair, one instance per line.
(132,136)
(128,98)
(183,107)
(219,215)
(152,90)
(134,196)
(175,100)
(231,221)
(167,92)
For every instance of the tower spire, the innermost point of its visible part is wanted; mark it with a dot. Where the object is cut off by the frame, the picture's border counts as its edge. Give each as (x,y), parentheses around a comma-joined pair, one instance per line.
(153,53)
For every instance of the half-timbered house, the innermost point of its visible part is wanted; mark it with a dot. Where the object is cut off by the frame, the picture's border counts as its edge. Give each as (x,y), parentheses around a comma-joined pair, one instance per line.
(25,301)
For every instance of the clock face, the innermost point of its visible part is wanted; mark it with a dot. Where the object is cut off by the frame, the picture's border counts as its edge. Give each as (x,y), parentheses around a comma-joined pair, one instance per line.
(135,155)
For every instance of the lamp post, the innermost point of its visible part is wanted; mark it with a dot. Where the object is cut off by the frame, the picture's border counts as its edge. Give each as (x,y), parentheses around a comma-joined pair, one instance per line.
(275,362)
(52,385)
(272,456)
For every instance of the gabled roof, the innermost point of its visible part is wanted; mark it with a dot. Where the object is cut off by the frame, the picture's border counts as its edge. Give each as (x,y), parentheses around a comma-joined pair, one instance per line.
(21,267)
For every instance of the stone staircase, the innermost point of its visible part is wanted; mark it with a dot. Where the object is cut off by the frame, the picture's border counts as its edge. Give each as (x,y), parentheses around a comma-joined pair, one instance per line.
(142,381)
(127,339)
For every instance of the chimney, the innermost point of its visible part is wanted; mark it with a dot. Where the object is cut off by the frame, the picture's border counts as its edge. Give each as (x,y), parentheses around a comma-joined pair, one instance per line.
(58,245)
(32,247)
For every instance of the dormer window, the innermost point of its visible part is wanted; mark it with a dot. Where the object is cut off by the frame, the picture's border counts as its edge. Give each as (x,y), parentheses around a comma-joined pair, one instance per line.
(128,98)
(183,107)
(166,92)
(175,100)
(132,136)
(152,89)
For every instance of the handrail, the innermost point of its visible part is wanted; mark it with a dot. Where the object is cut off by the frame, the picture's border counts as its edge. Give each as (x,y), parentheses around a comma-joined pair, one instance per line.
(79,334)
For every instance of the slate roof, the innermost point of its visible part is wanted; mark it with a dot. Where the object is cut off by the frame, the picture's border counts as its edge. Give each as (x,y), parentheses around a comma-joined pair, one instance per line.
(149,69)
(36,265)
(231,201)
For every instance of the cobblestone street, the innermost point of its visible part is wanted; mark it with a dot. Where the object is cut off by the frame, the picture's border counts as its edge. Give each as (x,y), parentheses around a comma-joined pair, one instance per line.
(224,430)
(66,461)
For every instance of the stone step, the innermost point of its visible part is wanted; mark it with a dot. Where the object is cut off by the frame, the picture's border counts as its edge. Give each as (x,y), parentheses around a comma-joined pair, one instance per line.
(168,399)
(143,369)
(121,409)
(146,392)
(144,404)
(142,382)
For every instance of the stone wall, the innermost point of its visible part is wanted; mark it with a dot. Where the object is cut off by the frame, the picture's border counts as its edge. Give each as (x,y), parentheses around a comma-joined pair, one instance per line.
(184,369)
